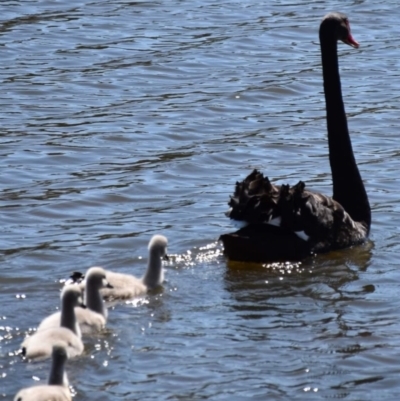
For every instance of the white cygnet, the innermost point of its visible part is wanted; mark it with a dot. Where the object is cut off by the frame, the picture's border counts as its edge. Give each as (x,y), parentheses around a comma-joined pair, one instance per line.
(93,318)
(57,388)
(39,345)
(65,317)
(126,286)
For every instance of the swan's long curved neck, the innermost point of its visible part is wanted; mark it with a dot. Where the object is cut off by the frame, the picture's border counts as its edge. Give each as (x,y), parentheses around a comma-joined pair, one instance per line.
(68,318)
(154,270)
(348,187)
(56,377)
(94,300)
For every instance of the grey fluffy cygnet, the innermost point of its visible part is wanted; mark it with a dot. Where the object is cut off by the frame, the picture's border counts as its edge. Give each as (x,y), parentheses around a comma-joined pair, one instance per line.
(91,319)
(57,387)
(126,286)
(39,345)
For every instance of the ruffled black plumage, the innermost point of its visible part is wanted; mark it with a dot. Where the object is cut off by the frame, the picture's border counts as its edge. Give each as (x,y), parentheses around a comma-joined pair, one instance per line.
(318,221)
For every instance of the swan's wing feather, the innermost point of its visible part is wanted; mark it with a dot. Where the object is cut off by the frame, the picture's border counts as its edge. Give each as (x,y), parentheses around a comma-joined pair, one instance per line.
(255,199)
(89,321)
(54,320)
(314,217)
(40,344)
(44,393)
(125,286)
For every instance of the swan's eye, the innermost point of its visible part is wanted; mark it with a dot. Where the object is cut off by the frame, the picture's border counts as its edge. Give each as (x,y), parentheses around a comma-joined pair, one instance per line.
(346,24)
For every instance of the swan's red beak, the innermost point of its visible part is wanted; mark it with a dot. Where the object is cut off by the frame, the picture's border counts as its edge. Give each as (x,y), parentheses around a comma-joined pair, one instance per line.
(351,41)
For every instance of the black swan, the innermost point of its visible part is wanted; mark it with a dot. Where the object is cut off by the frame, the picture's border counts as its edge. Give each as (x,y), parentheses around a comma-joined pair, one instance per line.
(289,222)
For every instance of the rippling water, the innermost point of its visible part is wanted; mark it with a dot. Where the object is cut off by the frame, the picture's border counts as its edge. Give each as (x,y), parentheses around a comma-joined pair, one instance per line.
(121,119)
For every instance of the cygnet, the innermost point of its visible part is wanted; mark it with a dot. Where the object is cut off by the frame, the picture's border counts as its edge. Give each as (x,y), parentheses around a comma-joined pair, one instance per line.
(39,345)
(126,286)
(57,387)
(93,318)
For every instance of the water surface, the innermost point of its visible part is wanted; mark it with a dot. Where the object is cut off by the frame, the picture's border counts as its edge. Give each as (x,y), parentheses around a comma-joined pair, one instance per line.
(123,119)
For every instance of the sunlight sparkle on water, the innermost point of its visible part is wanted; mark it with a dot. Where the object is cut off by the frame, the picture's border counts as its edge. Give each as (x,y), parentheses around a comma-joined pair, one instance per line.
(136,302)
(205,254)
(284,267)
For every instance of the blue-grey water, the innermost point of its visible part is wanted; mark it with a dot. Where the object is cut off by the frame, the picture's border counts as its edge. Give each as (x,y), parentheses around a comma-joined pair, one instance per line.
(121,119)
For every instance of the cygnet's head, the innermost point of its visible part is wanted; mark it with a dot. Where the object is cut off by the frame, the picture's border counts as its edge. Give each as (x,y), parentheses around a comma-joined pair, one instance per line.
(72,295)
(96,277)
(158,246)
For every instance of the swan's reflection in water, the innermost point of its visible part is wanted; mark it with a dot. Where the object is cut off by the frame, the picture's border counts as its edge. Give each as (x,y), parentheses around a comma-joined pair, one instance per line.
(333,270)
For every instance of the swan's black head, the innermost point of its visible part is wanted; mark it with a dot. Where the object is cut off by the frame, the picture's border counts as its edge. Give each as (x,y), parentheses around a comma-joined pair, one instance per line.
(337,25)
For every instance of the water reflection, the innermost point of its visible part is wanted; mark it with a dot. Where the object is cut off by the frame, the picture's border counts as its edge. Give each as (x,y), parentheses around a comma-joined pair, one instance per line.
(323,277)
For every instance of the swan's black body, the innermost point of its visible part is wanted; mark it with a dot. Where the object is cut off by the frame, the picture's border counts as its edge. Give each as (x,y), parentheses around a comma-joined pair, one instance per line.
(289,222)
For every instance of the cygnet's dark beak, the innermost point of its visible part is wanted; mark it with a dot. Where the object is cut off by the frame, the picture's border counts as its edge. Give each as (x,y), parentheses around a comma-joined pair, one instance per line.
(109,285)
(82,305)
(166,257)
